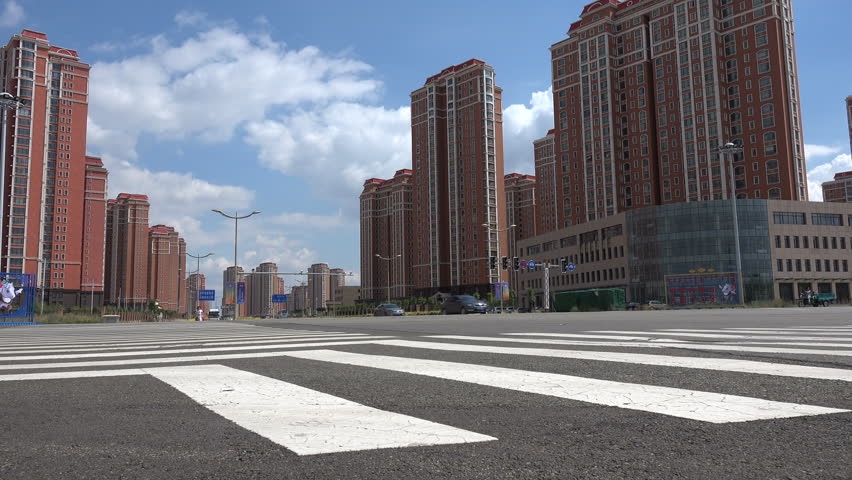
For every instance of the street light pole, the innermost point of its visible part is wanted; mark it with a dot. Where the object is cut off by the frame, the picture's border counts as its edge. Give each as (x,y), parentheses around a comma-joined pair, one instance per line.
(197,270)
(388,260)
(731,150)
(499,270)
(7,102)
(236,219)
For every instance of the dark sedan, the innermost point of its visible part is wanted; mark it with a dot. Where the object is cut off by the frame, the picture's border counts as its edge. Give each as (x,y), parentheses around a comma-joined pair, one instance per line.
(464,304)
(388,310)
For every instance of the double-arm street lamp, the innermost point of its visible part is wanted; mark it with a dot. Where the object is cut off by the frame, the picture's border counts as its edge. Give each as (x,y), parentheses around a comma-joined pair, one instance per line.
(7,102)
(197,270)
(236,219)
(388,260)
(498,268)
(731,150)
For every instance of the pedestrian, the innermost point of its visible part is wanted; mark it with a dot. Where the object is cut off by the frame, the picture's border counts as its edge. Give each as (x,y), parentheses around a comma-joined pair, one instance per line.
(199,314)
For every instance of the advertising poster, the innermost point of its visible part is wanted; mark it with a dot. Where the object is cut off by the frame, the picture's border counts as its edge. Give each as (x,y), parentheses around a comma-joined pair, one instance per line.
(711,288)
(501,291)
(17,294)
(229,296)
(241,293)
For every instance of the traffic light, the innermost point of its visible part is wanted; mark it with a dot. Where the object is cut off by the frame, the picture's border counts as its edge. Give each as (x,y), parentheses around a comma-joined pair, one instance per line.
(564,264)
(493,263)
(505,263)
(516,263)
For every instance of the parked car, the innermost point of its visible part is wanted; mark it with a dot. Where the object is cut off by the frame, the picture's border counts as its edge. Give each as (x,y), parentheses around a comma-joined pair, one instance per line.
(464,304)
(388,310)
(633,305)
(656,304)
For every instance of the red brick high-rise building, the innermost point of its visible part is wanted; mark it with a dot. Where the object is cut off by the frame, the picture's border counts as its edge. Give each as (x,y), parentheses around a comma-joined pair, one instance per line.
(51,199)
(457,163)
(127,251)
(166,264)
(646,91)
(386,226)
(94,231)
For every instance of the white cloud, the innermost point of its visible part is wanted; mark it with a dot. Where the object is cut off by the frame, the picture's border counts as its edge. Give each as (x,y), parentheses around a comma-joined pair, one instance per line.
(12,15)
(186,18)
(186,91)
(521,125)
(812,151)
(339,145)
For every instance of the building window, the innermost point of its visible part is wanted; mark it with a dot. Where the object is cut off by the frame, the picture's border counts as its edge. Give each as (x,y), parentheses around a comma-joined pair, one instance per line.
(788,218)
(832,219)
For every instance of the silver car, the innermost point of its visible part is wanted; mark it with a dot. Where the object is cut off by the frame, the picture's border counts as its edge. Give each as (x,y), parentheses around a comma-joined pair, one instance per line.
(388,310)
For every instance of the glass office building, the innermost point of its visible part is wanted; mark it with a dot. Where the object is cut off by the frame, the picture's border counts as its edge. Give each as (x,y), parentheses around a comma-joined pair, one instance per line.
(697,238)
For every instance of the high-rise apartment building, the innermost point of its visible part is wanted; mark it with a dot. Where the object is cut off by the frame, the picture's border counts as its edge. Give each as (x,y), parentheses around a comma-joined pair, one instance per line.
(522,212)
(336,282)
(646,91)
(166,264)
(230,279)
(261,284)
(46,172)
(126,278)
(521,207)
(839,189)
(94,230)
(318,287)
(194,283)
(386,226)
(547,190)
(457,164)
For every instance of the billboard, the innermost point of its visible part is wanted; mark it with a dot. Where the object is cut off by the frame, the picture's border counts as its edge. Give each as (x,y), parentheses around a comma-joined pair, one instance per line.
(501,291)
(17,297)
(706,288)
(241,293)
(230,294)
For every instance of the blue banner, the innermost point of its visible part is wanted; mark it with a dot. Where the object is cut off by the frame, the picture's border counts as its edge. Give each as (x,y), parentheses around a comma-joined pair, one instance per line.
(241,293)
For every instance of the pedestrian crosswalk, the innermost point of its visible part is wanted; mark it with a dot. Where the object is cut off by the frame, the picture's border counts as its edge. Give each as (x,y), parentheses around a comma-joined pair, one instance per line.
(196,360)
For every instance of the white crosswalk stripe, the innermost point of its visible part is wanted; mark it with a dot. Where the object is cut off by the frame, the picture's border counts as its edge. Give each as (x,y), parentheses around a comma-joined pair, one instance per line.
(190,357)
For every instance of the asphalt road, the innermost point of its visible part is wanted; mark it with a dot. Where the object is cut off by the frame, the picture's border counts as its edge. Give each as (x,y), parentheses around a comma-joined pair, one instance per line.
(697,394)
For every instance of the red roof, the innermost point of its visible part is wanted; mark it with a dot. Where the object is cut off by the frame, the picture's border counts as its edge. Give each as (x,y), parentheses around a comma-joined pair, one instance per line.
(64,51)
(838,176)
(33,34)
(618,4)
(455,68)
(132,196)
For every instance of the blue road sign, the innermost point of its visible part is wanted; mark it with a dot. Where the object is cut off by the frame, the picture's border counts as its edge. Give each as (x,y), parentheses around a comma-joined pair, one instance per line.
(279,298)
(571,267)
(531,264)
(206,295)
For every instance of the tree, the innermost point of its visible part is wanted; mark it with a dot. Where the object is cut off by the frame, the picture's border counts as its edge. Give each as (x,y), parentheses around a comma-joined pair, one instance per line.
(531,298)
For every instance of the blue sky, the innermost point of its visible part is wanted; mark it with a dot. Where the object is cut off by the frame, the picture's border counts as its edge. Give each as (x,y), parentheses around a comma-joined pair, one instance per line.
(287,107)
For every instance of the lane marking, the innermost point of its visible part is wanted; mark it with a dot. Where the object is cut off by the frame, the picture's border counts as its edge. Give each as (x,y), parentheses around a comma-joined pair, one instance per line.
(821,333)
(153,339)
(684,345)
(676,402)
(727,335)
(717,364)
(574,335)
(302,420)
(139,353)
(201,343)
(154,361)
